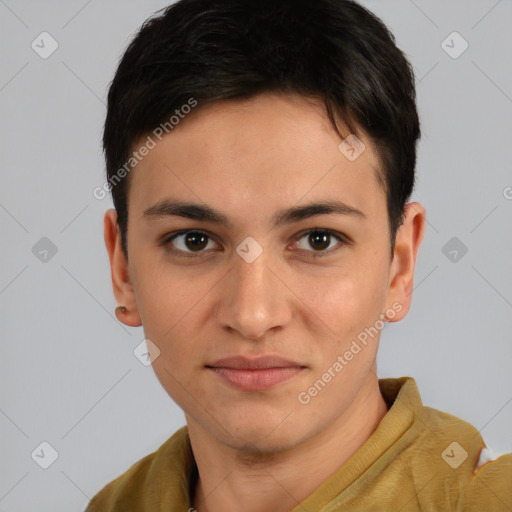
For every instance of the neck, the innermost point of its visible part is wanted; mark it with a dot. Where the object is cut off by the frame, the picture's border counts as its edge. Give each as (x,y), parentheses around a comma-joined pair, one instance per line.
(231,481)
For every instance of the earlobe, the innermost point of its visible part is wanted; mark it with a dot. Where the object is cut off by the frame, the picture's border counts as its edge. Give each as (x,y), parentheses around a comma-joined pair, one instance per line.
(408,241)
(127,311)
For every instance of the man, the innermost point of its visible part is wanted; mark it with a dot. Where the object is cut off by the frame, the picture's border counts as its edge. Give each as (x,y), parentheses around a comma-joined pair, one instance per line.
(261,156)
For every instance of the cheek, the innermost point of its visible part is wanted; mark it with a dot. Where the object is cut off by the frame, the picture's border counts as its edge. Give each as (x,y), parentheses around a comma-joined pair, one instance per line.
(175,306)
(167,298)
(345,299)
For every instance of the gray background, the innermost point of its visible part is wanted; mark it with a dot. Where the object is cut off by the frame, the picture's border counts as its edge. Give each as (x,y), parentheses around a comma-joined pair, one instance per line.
(68,373)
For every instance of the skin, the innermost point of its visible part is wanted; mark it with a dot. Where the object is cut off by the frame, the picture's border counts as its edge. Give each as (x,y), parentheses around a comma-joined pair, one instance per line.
(248,159)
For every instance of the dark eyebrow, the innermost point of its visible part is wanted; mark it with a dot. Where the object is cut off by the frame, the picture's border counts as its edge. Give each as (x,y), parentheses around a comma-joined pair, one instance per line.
(195,211)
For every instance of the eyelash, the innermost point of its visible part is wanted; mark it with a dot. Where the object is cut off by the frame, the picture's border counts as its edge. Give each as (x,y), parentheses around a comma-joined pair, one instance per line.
(314,254)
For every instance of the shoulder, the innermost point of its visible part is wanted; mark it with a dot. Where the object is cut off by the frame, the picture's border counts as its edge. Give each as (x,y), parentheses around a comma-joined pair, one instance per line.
(130,490)
(461,465)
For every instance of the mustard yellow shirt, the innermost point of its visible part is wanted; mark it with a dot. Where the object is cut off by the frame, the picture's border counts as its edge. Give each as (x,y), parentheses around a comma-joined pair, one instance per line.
(418,459)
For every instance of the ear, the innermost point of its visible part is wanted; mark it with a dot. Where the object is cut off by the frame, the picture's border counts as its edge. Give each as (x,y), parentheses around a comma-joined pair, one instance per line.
(121,283)
(408,240)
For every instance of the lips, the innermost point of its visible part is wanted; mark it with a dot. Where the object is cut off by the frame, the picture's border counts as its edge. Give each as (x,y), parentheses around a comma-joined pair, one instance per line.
(255,374)
(259,363)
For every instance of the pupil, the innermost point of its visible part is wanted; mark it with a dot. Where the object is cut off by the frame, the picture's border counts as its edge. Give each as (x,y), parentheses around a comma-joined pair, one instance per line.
(196,240)
(319,238)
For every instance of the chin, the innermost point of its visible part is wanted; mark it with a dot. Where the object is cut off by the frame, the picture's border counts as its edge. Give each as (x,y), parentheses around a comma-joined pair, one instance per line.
(260,437)
(252,447)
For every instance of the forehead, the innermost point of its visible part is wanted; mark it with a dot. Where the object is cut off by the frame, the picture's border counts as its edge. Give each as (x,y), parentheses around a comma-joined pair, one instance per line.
(267,151)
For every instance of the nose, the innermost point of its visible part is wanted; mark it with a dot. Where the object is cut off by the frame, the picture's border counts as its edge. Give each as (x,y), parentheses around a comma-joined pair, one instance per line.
(254,301)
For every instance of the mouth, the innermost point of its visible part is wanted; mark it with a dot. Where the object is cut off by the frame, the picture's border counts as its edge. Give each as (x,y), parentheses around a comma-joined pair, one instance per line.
(255,374)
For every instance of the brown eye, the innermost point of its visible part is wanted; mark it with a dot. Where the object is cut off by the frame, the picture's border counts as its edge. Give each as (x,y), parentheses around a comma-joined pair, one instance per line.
(189,242)
(319,240)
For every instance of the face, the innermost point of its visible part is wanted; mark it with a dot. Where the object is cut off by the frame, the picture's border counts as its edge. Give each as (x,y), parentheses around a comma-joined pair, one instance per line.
(252,272)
